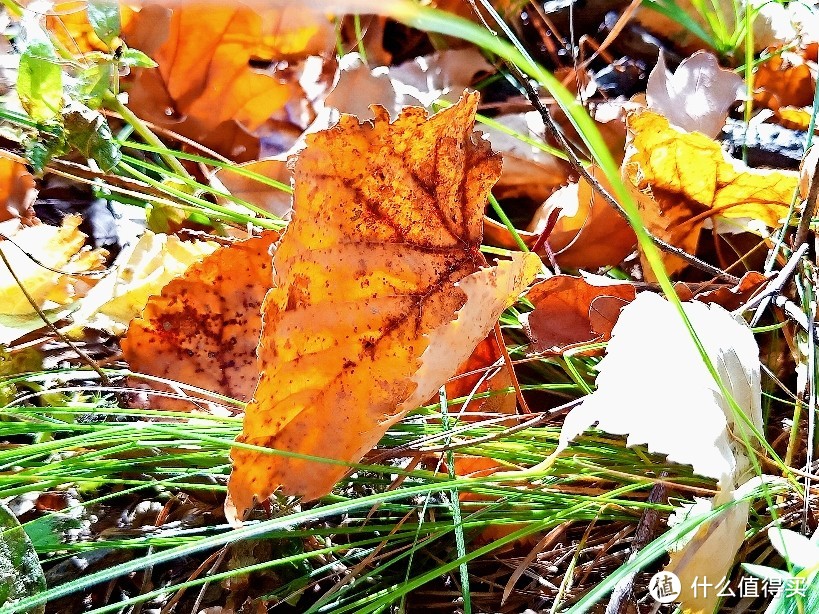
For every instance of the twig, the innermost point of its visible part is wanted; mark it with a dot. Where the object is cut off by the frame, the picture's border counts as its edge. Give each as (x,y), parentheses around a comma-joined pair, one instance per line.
(810,209)
(763,300)
(83,356)
(577,165)
(524,407)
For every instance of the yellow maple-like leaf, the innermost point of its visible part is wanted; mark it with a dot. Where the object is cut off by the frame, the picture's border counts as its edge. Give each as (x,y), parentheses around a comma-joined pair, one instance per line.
(380,293)
(681,179)
(203,328)
(48,266)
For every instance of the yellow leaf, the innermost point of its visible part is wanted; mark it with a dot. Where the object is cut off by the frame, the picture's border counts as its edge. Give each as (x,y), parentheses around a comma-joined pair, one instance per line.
(681,179)
(139,271)
(58,251)
(380,293)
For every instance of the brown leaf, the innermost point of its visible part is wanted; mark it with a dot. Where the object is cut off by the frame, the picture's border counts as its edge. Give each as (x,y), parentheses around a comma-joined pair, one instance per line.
(569,311)
(484,371)
(378,295)
(204,328)
(681,179)
(589,233)
(784,80)
(732,298)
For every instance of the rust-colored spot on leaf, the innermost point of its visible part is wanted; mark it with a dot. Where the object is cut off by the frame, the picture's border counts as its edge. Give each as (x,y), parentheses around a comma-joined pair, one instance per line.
(204,328)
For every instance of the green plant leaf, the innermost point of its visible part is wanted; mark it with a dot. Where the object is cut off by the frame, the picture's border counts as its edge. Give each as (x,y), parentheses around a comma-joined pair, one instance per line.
(92,83)
(41,147)
(134,58)
(765,573)
(20,573)
(40,81)
(103,15)
(88,131)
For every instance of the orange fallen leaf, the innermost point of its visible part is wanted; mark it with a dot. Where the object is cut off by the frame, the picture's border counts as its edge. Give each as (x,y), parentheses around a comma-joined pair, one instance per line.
(483,372)
(570,311)
(784,80)
(205,86)
(204,328)
(17,192)
(379,294)
(682,179)
(589,233)
(731,298)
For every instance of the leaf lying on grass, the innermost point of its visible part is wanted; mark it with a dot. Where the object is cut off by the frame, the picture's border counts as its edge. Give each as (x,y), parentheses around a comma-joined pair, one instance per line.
(204,328)
(654,388)
(378,295)
(20,572)
(681,179)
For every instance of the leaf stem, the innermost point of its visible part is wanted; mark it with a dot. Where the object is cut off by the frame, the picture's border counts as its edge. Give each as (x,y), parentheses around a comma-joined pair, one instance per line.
(115,104)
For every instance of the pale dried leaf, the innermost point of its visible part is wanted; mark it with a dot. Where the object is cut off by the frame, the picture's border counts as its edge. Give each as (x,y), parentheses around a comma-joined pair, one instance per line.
(697,96)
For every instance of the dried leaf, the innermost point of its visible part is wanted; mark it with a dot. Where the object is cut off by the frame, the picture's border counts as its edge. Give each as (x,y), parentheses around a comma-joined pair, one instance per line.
(57,248)
(205,86)
(682,179)
(784,80)
(140,271)
(697,96)
(589,233)
(204,328)
(731,298)
(654,388)
(378,295)
(483,372)
(571,311)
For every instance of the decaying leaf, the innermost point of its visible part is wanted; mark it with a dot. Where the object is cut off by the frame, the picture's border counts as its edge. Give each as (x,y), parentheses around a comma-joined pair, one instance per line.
(571,311)
(589,233)
(682,179)
(378,294)
(204,328)
(784,80)
(654,388)
(61,249)
(205,86)
(141,270)
(697,96)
